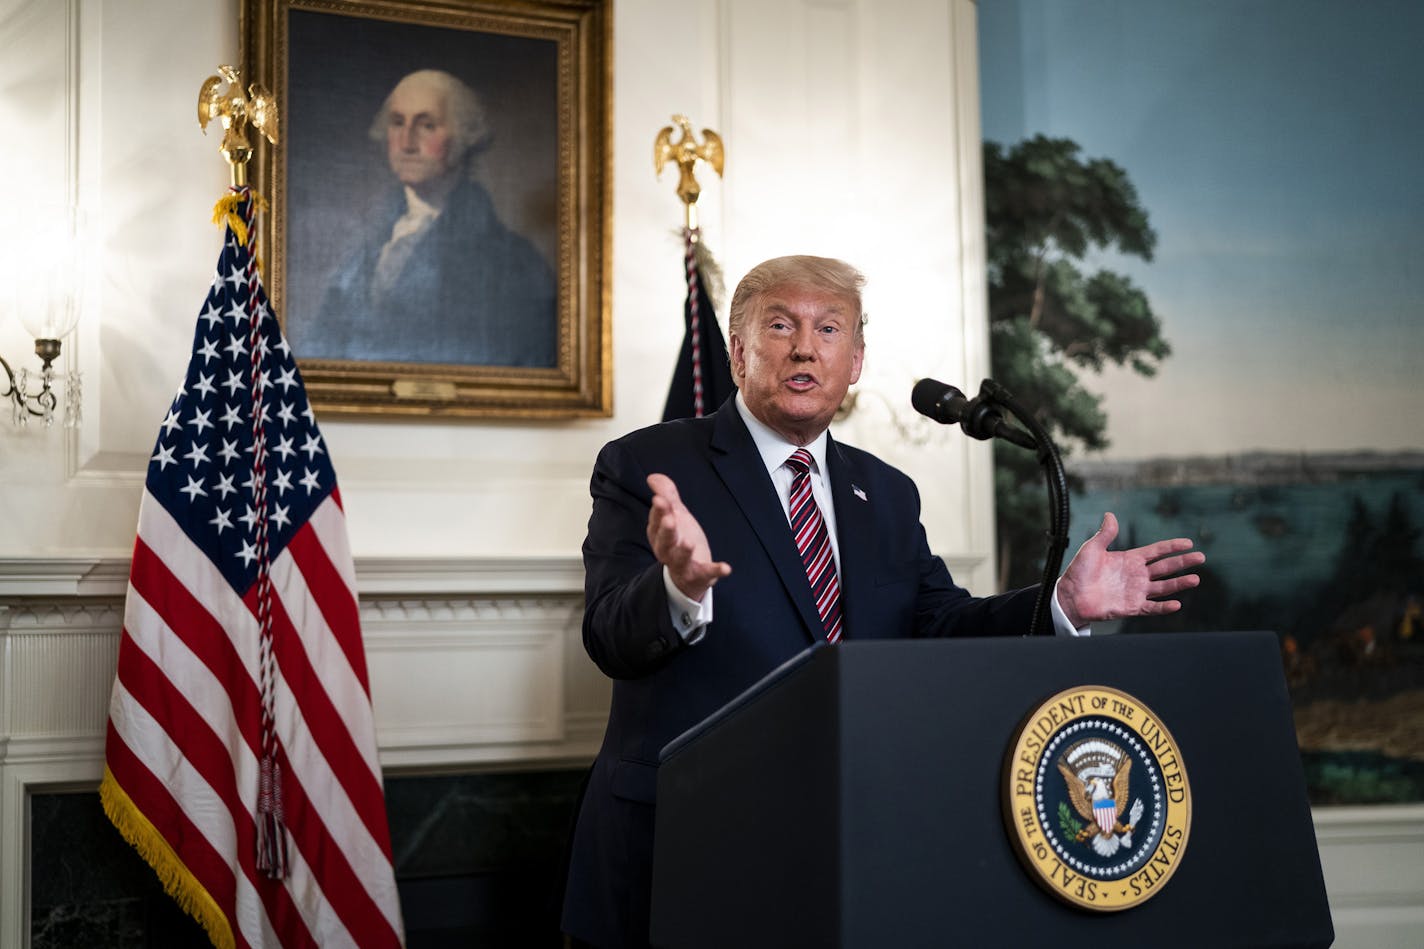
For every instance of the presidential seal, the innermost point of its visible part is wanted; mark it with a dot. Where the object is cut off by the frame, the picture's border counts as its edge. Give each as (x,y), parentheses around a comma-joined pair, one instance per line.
(1096,798)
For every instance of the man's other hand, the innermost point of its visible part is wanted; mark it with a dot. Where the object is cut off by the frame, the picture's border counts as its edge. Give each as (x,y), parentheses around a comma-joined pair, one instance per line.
(1102,584)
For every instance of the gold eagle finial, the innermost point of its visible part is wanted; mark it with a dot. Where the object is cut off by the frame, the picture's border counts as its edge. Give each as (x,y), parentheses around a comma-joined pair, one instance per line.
(686,152)
(236,111)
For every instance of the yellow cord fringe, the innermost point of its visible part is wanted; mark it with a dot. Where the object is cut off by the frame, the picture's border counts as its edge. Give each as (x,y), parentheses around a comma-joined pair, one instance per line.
(177,881)
(225,212)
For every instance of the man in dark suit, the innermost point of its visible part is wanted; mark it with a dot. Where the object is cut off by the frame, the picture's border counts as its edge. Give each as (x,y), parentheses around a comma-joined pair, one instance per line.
(669,498)
(436,276)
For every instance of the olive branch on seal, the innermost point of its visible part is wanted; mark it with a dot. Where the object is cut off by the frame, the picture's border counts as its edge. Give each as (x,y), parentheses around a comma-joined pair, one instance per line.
(1067,823)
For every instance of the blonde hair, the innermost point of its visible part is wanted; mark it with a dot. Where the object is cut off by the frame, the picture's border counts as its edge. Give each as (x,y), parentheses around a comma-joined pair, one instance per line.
(821,273)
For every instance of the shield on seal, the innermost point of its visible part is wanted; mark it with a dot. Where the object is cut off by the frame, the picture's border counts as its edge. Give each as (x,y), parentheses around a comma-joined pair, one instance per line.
(1105,813)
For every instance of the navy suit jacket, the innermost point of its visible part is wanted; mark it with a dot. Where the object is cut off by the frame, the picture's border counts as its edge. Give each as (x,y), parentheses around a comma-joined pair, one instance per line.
(763,614)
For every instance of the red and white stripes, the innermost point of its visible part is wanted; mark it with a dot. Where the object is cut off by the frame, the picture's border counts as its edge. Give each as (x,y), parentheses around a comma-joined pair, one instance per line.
(186,741)
(813,542)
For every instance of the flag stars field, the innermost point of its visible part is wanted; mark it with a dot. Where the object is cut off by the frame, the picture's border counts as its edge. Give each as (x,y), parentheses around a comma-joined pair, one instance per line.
(222,392)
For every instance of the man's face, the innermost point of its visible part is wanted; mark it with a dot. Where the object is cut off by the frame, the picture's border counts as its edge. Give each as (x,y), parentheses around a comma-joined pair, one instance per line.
(794,356)
(418,139)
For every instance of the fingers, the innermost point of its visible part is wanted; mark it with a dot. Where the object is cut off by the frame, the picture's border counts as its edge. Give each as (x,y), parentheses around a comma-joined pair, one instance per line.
(1150,553)
(665,535)
(1170,565)
(1164,548)
(709,572)
(662,527)
(682,555)
(692,574)
(663,517)
(663,487)
(1172,585)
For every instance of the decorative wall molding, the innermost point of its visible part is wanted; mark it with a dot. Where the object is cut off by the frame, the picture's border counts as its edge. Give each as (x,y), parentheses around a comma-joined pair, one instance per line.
(501,636)
(1373,859)
(40,578)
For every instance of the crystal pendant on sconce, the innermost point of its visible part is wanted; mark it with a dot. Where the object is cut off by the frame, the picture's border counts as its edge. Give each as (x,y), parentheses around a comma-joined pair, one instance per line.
(35,395)
(73,400)
(19,414)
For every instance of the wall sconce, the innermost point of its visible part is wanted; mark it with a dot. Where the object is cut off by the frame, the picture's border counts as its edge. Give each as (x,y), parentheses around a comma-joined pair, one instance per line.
(45,291)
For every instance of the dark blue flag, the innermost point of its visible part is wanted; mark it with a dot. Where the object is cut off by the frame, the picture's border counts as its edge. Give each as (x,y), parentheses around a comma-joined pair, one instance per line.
(702,380)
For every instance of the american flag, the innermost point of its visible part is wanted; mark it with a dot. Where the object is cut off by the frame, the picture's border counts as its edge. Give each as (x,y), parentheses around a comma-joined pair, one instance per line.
(242,642)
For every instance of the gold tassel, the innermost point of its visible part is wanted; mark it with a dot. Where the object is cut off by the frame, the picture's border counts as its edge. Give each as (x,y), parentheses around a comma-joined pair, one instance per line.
(177,881)
(225,211)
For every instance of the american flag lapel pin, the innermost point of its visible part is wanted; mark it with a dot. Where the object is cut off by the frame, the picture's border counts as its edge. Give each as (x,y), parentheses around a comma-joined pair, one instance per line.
(858,491)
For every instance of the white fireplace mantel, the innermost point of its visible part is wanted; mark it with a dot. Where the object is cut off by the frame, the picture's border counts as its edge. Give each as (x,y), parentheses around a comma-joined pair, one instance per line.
(474,663)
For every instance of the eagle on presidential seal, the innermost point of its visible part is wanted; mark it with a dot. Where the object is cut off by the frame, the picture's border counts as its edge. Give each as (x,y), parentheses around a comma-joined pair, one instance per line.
(1096,772)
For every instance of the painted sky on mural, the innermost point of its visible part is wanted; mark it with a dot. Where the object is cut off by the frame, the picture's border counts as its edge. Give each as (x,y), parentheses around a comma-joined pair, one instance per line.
(1278,146)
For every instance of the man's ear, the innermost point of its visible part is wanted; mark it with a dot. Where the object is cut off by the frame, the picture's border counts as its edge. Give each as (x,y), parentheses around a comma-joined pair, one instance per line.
(739,361)
(856,362)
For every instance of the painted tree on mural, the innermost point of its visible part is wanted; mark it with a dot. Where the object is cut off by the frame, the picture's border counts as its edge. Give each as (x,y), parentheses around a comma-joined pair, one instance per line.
(1052,319)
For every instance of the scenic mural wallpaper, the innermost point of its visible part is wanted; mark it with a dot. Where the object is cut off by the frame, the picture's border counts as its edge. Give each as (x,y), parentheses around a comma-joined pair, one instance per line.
(1205,225)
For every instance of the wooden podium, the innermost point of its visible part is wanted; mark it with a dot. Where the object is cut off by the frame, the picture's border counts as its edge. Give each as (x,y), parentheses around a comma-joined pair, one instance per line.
(856,798)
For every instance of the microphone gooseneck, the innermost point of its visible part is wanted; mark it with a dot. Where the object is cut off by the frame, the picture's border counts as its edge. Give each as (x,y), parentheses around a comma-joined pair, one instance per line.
(980,417)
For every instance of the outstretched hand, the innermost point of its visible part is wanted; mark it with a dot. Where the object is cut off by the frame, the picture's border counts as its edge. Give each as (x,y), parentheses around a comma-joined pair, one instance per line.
(1102,584)
(679,543)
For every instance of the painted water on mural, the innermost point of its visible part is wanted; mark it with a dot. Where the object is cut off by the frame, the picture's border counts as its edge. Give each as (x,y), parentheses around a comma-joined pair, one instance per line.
(1326,550)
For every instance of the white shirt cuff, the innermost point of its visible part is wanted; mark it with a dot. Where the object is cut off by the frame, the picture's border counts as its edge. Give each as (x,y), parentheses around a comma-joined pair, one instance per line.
(689,617)
(1061,624)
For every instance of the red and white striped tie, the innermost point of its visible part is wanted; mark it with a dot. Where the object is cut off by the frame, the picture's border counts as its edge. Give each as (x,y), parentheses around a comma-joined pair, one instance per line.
(814,544)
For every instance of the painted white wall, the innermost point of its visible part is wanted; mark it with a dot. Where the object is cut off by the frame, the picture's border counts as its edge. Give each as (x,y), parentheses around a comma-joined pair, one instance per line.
(851,129)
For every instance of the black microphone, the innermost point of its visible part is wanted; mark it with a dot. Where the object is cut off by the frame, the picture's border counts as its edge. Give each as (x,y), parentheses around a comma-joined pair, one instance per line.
(978,417)
(939,401)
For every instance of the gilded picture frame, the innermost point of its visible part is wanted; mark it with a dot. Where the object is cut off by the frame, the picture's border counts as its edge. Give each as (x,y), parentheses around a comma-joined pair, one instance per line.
(439,228)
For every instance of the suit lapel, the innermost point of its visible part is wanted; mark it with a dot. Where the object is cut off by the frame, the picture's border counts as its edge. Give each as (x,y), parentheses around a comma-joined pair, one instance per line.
(855,539)
(738,463)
